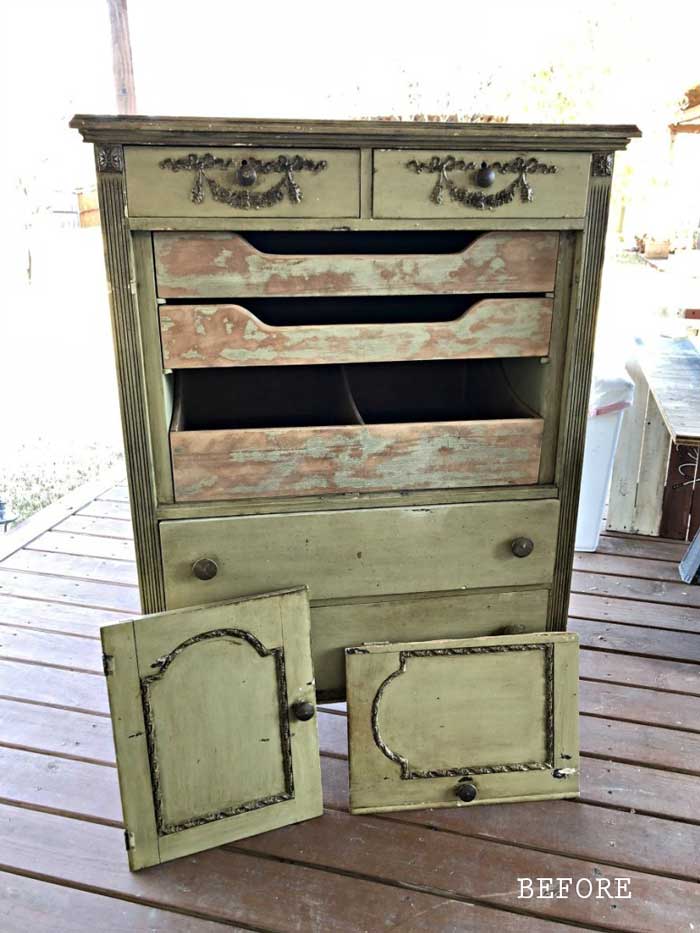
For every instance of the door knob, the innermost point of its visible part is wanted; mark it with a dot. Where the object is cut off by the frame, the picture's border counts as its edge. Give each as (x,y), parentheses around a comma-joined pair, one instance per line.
(205,568)
(521,547)
(304,710)
(465,791)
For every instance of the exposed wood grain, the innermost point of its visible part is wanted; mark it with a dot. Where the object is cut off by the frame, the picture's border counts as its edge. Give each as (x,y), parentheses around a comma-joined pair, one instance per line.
(101,508)
(36,905)
(625,472)
(194,336)
(57,790)
(633,671)
(674,646)
(99,569)
(226,885)
(60,617)
(628,566)
(62,542)
(122,65)
(212,265)
(584,831)
(54,686)
(653,591)
(26,644)
(679,711)
(652,746)
(250,463)
(672,369)
(103,527)
(59,732)
(570,827)
(648,790)
(640,546)
(380,846)
(67,590)
(632,612)
(653,467)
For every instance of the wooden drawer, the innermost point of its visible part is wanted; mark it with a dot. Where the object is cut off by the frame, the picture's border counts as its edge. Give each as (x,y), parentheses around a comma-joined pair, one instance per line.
(337,626)
(351,553)
(428,184)
(225,265)
(195,336)
(169,182)
(247,433)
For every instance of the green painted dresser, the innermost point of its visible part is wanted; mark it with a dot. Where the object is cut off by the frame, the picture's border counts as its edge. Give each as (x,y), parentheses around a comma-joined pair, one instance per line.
(356,356)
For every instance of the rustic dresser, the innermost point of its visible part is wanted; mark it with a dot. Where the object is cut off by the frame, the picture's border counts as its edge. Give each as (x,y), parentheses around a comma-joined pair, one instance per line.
(354,362)
(356,356)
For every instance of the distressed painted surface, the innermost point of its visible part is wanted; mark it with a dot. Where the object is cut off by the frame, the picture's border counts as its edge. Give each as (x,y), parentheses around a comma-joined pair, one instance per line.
(230,335)
(234,464)
(220,265)
(346,553)
(411,743)
(156,192)
(400,192)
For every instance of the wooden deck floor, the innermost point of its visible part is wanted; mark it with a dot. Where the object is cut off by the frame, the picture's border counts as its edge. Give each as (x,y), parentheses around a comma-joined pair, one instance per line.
(63,864)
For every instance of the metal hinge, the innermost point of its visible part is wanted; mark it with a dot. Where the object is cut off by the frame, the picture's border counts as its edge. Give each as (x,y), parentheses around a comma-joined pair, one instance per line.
(129,840)
(108,664)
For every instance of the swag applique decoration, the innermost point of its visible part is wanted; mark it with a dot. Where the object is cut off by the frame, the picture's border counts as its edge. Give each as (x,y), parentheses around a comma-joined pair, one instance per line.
(245,174)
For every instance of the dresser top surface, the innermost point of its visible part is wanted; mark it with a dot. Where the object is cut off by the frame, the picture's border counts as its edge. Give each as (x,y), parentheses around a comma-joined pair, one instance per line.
(158,131)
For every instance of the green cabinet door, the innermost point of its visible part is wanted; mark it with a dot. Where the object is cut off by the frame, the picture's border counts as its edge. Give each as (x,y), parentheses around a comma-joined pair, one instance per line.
(213,717)
(463,721)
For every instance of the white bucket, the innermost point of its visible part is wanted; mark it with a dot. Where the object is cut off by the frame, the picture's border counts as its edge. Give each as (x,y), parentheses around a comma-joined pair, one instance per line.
(609,399)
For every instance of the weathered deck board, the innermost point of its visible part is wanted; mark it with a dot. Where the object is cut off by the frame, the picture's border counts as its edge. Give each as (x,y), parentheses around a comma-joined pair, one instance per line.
(37,905)
(638,817)
(102,508)
(226,885)
(101,569)
(80,545)
(628,612)
(68,590)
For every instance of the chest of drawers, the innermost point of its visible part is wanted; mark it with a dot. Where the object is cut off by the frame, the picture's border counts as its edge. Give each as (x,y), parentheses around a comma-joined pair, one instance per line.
(355,356)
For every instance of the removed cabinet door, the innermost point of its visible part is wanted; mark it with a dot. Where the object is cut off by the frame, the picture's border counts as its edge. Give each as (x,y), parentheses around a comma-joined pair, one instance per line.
(463,721)
(213,717)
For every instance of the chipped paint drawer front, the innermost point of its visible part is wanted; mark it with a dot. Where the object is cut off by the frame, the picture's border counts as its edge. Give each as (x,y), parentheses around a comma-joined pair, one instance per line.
(196,336)
(360,552)
(226,265)
(233,182)
(427,184)
(274,462)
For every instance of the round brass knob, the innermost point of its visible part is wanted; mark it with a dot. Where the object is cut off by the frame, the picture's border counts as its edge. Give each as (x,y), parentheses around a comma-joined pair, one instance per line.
(205,568)
(486,176)
(246,174)
(465,791)
(304,710)
(521,547)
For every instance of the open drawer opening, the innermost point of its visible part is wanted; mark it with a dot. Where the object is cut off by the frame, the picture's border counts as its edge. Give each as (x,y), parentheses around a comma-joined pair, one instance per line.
(315,396)
(261,432)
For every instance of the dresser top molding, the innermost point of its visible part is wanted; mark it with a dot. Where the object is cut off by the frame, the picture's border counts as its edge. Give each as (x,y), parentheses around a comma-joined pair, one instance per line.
(222,131)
